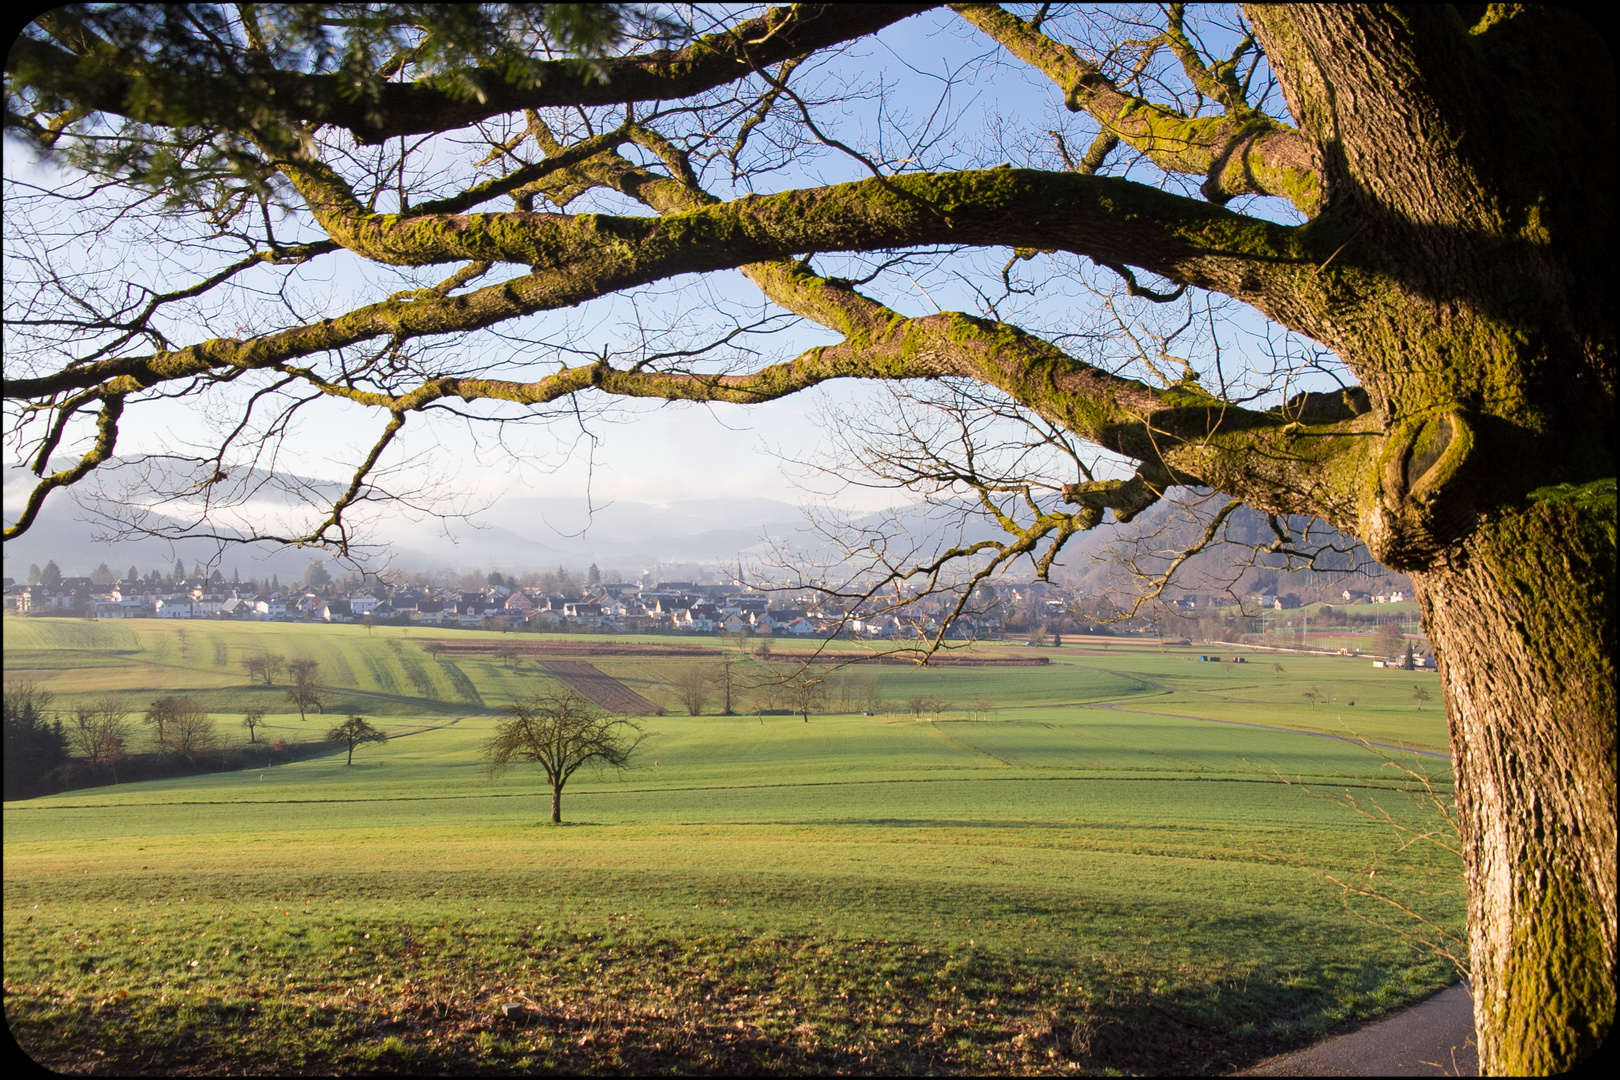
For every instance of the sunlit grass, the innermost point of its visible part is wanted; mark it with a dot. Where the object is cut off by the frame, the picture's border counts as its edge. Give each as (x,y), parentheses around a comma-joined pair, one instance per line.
(1064,886)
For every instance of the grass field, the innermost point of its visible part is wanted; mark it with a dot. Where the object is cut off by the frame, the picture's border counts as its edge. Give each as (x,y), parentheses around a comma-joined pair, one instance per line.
(1097,877)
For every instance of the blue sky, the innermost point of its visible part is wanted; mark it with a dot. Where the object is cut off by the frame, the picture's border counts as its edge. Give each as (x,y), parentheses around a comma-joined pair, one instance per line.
(662,453)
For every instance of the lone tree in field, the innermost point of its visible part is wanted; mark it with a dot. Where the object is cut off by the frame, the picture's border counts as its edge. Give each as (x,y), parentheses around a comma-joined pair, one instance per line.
(253,720)
(266,666)
(272,667)
(160,714)
(304,693)
(99,731)
(1419,200)
(190,731)
(692,684)
(561,733)
(355,731)
(727,684)
(1388,639)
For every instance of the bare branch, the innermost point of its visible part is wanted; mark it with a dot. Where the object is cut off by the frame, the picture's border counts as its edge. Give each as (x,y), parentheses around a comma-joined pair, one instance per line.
(1241,153)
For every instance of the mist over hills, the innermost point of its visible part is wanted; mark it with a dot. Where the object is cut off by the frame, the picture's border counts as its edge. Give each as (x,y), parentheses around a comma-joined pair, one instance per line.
(524,532)
(1094,562)
(521,532)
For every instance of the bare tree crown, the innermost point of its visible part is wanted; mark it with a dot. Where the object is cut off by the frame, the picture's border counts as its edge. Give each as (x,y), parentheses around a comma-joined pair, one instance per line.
(264,153)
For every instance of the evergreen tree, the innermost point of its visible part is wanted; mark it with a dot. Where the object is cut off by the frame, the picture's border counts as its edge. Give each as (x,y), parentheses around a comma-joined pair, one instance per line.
(35,743)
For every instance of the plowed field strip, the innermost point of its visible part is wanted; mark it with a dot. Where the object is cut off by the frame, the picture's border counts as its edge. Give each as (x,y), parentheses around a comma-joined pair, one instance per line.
(908,658)
(603,689)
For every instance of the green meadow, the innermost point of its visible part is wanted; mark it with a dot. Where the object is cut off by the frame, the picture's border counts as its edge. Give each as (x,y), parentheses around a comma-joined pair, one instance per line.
(1134,862)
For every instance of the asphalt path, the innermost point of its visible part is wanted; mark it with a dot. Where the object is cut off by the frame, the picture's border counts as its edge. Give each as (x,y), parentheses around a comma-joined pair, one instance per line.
(1435,1037)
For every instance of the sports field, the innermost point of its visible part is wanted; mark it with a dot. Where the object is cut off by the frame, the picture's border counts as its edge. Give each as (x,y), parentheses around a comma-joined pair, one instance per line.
(1092,875)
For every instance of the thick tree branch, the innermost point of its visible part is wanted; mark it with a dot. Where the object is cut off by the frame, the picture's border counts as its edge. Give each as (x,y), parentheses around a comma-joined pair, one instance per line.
(383,110)
(1182,431)
(1241,153)
(1105,218)
(1157,427)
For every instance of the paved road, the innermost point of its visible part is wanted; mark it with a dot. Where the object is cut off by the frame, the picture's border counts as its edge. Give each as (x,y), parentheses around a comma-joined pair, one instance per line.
(1435,1037)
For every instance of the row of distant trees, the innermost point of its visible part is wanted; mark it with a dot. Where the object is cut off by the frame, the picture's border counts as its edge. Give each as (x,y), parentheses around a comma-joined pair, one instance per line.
(735,687)
(304,693)
(50,575)
(99,740)
(105,740)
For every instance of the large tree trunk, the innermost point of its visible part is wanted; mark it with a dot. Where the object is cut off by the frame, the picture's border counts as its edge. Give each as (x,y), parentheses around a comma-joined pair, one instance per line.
(556,804)
(1487,351)
(1523,621)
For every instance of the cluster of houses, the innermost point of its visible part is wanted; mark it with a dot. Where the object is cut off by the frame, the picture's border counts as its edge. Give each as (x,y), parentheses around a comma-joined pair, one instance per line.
(632,608)
(1192,602)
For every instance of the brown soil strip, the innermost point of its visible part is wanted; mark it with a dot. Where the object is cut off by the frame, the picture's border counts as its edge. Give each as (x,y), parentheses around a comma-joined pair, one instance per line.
(933,661)
(604,690)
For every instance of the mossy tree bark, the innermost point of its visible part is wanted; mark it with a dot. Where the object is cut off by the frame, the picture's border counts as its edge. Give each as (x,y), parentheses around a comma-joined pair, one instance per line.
(1523,621)
(1486,342)
(1455,171)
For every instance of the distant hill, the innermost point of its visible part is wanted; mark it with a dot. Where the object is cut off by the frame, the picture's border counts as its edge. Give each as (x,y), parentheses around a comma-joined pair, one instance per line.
(1095,562)
(525,532)
(522,532)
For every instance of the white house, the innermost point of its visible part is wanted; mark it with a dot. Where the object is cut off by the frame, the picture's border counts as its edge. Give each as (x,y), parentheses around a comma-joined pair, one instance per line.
(208,604)
(268,608)
(173,607)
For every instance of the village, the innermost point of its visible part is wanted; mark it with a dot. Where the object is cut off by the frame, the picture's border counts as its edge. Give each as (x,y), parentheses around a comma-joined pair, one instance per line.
(586,603)
(616,607)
